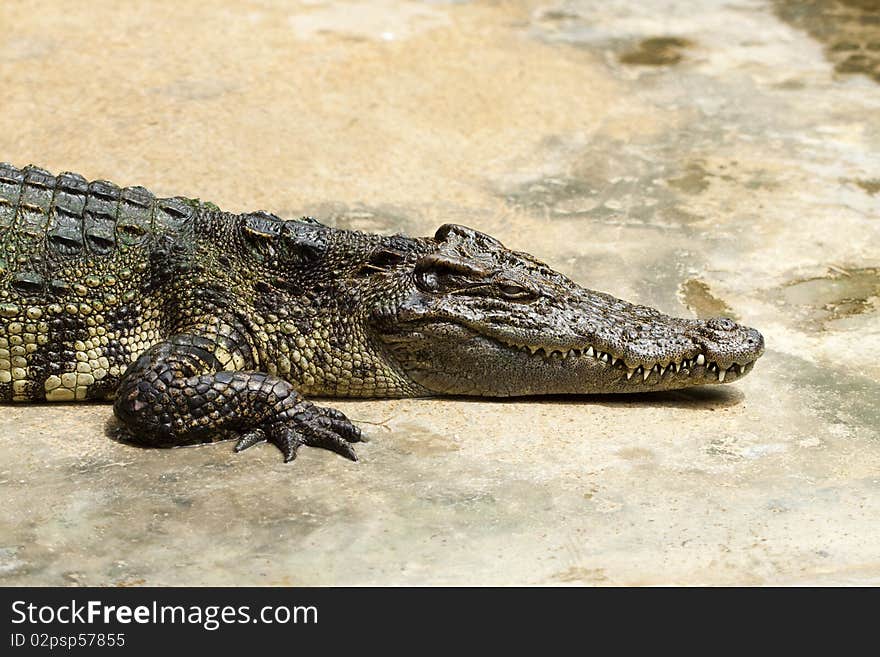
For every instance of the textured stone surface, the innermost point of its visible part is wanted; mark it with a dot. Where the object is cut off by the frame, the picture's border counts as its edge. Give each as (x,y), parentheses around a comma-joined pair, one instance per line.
(700,157)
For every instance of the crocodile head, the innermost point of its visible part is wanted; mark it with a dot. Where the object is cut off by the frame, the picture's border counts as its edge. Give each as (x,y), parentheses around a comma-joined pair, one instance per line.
(471,317)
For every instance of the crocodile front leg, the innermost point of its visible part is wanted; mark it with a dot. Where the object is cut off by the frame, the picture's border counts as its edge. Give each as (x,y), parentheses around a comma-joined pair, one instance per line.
(178,393)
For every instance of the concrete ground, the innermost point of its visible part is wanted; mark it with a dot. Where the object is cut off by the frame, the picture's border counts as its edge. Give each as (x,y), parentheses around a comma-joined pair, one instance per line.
(704,157)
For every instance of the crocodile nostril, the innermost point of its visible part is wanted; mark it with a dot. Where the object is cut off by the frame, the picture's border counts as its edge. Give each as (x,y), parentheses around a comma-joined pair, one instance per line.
(721,324)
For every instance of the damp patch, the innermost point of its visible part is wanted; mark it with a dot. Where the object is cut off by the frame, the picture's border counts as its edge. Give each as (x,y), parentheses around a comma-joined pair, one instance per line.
(699,298)
(870,186)
(849,30)
(840,293)
(656,51)
(695,180)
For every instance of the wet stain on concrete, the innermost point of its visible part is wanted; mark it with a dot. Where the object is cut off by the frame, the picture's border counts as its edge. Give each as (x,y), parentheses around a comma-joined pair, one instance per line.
(560,196)
(870,186)
(414,440)
(698,296)
(695,180)
(840,293)
(556,14)
(835,394)
(619,182)
(849,30)
(609,181)
(656,51)
(697,177)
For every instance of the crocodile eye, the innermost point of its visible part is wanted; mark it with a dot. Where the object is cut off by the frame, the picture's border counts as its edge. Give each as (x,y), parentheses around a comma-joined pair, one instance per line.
(428,281)
(514,292)
(436,272)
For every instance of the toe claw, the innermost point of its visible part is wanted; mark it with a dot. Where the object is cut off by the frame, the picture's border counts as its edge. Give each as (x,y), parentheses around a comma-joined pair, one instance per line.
(343,428)
(350,454)
(309,425)
(317,436)
(348,431)
(287,440)
(250,439)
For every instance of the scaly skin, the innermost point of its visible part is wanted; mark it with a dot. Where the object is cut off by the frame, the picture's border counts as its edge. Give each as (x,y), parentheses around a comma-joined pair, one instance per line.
(201,324)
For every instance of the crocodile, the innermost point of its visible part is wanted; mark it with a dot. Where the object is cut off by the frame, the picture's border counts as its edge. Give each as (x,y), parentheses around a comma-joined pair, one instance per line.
(200,324)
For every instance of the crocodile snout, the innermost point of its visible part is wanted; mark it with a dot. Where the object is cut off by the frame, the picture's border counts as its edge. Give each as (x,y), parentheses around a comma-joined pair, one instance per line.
(726,343)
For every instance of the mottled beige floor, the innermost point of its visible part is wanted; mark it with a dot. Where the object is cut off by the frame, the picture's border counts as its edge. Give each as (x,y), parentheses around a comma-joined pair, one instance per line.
(703,157)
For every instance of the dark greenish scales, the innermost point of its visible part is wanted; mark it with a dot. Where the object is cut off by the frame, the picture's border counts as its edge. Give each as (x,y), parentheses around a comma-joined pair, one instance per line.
(200,323)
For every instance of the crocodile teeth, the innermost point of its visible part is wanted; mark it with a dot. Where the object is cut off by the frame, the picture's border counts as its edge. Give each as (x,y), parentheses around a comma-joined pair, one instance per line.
(662,368)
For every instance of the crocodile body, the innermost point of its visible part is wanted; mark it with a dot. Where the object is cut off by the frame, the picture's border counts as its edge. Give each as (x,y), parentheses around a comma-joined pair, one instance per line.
(200,323)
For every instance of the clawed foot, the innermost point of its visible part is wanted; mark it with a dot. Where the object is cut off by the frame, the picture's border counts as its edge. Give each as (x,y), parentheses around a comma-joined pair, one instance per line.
(309,425)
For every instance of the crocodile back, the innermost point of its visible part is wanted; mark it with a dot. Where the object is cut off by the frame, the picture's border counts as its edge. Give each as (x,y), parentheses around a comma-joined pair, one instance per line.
(75,308)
